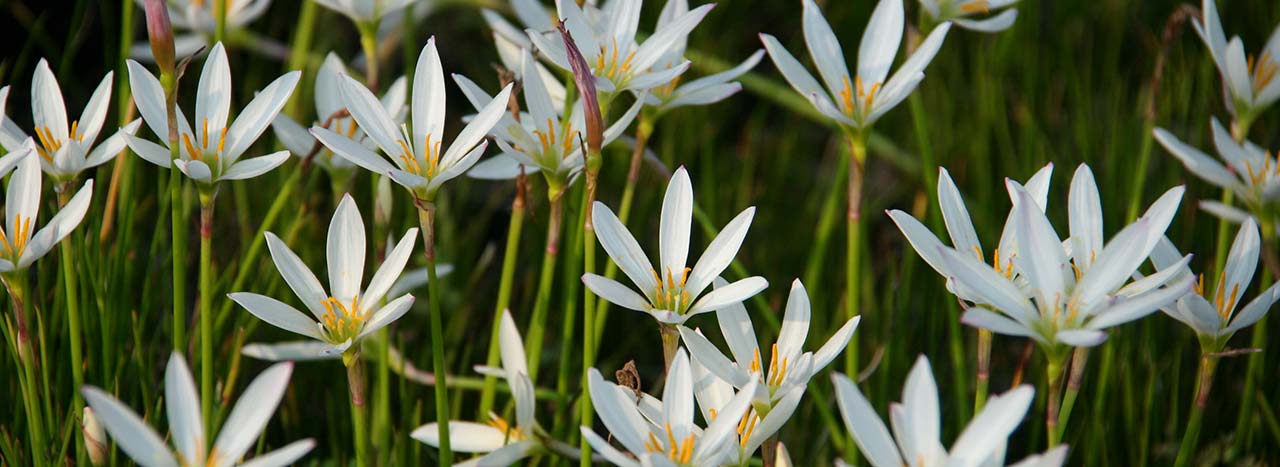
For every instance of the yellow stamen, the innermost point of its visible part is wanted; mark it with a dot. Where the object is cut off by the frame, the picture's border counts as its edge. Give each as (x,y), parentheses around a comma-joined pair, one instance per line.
(975,6)
(186,140)
(846,96)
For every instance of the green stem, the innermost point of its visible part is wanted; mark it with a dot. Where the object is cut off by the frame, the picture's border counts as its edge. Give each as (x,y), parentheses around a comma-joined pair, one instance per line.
(69,278)
(1079,358)
(206,308)
(16,282)
(220,16)
(538,323)
(356,387)
(177,218)
(853,241)
(1192,436)
(1054,377)
(815,266)
(426,221)
(588,299)
(1244,421)
(514,229)
(369,43)
(300,48)
(984,370)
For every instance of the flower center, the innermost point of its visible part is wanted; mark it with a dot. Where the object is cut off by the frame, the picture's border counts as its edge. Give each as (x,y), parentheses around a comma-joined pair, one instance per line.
(777,372)
(501,424)
(340,321)
(747,426)
(1003,268)
(607,64)
(1265,172)
(1222,302)
(549,141)
(1263,70)
(670,294)
(198,151)
(409,161)
(974,7)
(50,144)
(681,453)
(13,248)
(862,101)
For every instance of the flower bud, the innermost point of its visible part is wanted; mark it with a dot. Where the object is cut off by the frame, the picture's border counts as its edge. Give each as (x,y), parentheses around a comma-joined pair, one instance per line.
(382,201)
(95,439)
(160,31)
(587,88)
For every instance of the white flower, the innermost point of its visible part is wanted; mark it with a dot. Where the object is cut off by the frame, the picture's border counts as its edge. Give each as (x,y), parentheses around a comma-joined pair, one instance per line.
(916,424)
(328,96)
(20,243)
(364,11)
(1250,172)
(757,424)
(240,431)
(503,443)
(1249,84)
(417,160)
(66,151)
(607,40)
(662,433)
(964,238)
(958,11)
(1074,289)
(672,295)
(856,101)
(789,366)
(1212,313)
(209,150)
(543,139)
(197,17)
(344,314)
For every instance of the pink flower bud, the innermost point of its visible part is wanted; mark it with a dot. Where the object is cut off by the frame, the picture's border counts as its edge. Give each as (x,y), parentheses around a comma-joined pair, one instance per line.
(160,31)
(587,88)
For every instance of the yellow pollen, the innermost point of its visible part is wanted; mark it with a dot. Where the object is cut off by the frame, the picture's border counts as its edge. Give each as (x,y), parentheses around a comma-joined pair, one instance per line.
(222,141)
(653,445)
(1263,71)
(1200,285)
(846,95)
(745,429)
(186,141)
(755,360)
(672,438)
(340,320)
(13,248)
(204,134)
(1225,311)
(686,449)
(75,125)
(975,6)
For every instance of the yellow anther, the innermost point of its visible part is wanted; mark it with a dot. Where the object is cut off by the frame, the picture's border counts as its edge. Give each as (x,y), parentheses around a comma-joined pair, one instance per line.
(204,134)
(686,449)
(1263,71)
(755,360)
(975,6)
(653,445)
(186,141)
(14,247)
(1200,285)
(672,439)
(75,125)
(846,96)
(1225,311)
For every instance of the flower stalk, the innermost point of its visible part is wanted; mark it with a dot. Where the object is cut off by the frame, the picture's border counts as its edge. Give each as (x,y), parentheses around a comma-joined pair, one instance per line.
(71,283)
(16,283)
(207,198)
(1079,358)
(984,370)
(1054,375)
(356,387)
(853,238)
(426,221)
(514,229)
(1191,437)
(369,44)
(542,303)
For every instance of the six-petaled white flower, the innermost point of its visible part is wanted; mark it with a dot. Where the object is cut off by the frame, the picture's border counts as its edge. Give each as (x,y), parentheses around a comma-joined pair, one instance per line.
(417,160)
(331,110)
(1074,289)
(544,138)
(1250,172)
(240,431)
(671,294)
(788,366)
(662,433)
(344,314)
(916,423)
(209,150)
(66,151)
(20,243)
(1211,313)
(856,100)
(713,396)
(1249,84)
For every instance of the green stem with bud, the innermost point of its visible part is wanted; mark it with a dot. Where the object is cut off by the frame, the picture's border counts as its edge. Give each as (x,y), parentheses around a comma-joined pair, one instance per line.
(1192,436)
(206,306)
(427,222)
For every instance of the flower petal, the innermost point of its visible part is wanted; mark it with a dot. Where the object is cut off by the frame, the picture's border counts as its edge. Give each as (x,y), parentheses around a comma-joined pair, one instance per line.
(387,314)
(392,266)
(300,279)
(213,96)
(255,407)
(134,437)
(284,456)
(676,221)
(253,167)
(623,249)
(728,295)
(345,250)
(868,430)
(277,313)
(257,116)
(720,252)
(615,292)
(182,404)
(880,41)
(428,98)
(290,351)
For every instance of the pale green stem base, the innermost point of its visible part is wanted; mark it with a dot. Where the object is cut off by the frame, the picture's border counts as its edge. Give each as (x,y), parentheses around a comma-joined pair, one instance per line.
(426,221)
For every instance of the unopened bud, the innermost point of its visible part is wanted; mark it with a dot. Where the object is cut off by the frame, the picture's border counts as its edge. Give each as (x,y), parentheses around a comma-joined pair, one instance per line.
(95,439)
(160,31)
(587,88)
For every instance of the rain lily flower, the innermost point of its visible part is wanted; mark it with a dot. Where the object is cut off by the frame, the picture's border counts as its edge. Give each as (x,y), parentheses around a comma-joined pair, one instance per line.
(1249,84)
(1074,290)
(330,109)
(671,294)
(503,443)
(344,314)
(662,433)
(239,434)
(702,91)
(364,11)
(543,139)
(856,101)
(20,243)
(789,366)
(16,149)
(964,237)
(916,424)
(959,11)
(607,40)
(417,160)
(66,151)
(1212,313)
(714,394)
(209,150)
(197,17)
(1250,172)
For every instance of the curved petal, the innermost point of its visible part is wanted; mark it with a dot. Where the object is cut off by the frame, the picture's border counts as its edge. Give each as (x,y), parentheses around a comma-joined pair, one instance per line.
(825,48)
(387,314)
(345,250)
(615,292)
(880,41)
(284,456)
(297,351)
(392,266)
(623,249)
(720,252)
(134,437)
(254,167)
(59,227)
(866,427)
(48,110)
(256,116)
(728,295)
(213,96)
(352,151)
(300,279)
(428,98)
(676,220)
(277,313)
(182,404)
(255,407)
